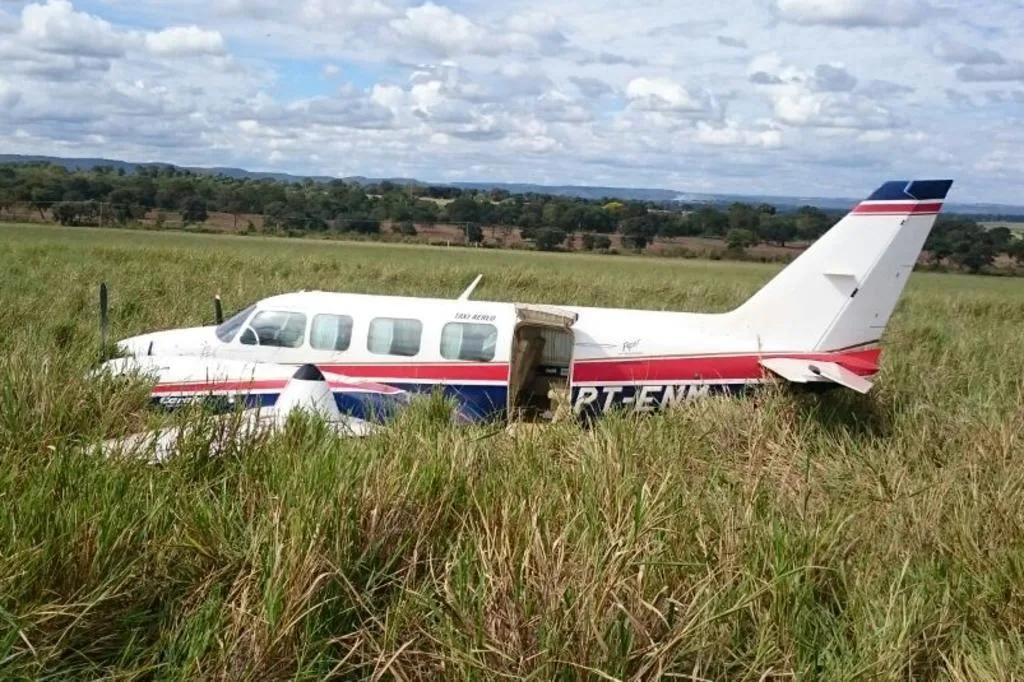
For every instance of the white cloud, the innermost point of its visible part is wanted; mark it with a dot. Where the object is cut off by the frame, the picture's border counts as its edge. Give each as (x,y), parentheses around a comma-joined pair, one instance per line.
(853,13)
(322,13)
(731,42)
(8,95)
(987,73)
(833,78)
(875,136)
(185,41)
(444,32)
(591,88)
(319,11)
(957,52)
(1002,163)
(730,134)
(657,93)
(542,31)
(798,107)
(57,27)
(439,29)
(820,98)
(665,95)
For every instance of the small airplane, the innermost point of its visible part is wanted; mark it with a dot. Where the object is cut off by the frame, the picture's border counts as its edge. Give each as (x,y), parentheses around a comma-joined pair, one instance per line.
(817,323)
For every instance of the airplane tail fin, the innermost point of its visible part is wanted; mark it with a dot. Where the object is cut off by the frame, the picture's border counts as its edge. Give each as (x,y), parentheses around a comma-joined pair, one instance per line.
(841,291)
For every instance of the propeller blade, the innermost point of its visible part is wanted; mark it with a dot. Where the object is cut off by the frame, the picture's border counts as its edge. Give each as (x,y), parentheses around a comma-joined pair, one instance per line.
(217,310)
(103,321)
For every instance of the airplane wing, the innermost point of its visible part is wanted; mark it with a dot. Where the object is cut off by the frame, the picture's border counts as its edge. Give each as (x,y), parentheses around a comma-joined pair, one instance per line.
(802,371)
(161,444)
(180,380)
(307,391)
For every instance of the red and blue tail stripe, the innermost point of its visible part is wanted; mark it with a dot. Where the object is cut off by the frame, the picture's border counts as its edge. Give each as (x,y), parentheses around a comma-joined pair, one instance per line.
(901,197)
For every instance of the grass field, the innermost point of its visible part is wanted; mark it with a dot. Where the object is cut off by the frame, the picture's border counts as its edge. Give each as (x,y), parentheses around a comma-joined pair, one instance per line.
(832,537)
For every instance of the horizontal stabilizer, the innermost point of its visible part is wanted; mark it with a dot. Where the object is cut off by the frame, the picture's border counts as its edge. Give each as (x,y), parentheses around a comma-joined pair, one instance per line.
(808,371)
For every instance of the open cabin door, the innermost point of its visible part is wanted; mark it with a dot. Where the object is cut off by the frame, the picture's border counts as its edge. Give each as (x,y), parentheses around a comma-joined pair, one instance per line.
(542,347)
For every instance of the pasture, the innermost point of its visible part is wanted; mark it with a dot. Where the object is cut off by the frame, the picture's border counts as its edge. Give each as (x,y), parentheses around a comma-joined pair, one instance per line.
(834,536)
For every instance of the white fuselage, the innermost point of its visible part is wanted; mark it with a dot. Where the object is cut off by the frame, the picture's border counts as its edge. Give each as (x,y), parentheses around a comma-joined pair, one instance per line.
(642,359)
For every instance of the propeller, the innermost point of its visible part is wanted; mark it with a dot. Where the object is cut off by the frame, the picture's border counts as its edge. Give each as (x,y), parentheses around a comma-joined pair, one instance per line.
(103,321)
(218,312)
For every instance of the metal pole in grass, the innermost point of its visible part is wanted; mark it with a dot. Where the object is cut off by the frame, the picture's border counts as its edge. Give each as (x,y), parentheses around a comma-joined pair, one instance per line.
(103,321)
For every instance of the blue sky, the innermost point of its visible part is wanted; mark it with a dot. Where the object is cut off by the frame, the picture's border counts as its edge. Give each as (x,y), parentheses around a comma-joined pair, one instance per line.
(808,97)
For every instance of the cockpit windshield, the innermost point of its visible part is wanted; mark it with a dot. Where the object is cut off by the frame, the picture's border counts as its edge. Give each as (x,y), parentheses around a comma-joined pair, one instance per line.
(228,329)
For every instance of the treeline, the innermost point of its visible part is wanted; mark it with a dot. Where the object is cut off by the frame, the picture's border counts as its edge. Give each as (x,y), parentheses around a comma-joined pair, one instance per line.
(962,242)
(76,198)
(105,195)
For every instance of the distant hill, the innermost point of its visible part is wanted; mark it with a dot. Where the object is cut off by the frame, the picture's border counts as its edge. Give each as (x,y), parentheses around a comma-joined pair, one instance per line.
(581,191)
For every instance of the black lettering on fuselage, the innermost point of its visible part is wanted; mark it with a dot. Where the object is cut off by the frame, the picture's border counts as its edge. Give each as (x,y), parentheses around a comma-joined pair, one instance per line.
(640,397)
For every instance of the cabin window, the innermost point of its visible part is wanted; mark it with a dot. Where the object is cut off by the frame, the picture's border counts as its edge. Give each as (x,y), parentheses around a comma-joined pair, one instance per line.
(331,332)
(227,329)
(389,336)
(274,328)
(465,341)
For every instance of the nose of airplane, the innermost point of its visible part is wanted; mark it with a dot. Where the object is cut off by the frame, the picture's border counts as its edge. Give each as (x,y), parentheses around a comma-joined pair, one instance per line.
(195,340)
(136,345)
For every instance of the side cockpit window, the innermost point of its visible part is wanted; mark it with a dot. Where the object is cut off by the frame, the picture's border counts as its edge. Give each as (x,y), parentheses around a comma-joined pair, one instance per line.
(276,328)
(228,329)
(389,336)
(331,332)
(466,341)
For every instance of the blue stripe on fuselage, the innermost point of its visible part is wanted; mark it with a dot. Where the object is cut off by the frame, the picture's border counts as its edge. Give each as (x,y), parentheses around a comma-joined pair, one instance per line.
(487,402)
(475,402)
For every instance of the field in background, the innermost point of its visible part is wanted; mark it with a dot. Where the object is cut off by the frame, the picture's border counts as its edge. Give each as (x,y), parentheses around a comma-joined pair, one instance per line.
(441,233)
(839,536)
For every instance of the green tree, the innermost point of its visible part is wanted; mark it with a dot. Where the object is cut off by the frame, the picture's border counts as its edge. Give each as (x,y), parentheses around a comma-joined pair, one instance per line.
(406,228)
(1000,237)
(778,229)
(362,225)
(193,210)
(710,222)
(474,234)
(637,241)
(549,238)
(124,206)
(743,217)
(738,240)
(463,210)
(66,212)
(975,255)
(1015,250)
(811,223)
(425,212)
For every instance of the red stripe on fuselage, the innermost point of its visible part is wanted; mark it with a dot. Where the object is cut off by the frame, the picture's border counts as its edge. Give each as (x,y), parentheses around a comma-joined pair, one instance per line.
(861,362)
(202,386)
(740,367)
(262,385)
(885,208)
(429,372)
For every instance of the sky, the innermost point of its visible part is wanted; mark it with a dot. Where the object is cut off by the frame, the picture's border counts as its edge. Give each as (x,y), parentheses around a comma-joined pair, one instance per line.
(782,97)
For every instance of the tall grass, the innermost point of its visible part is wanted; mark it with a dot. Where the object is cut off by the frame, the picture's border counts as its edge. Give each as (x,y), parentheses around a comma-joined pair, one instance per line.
(833,536)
